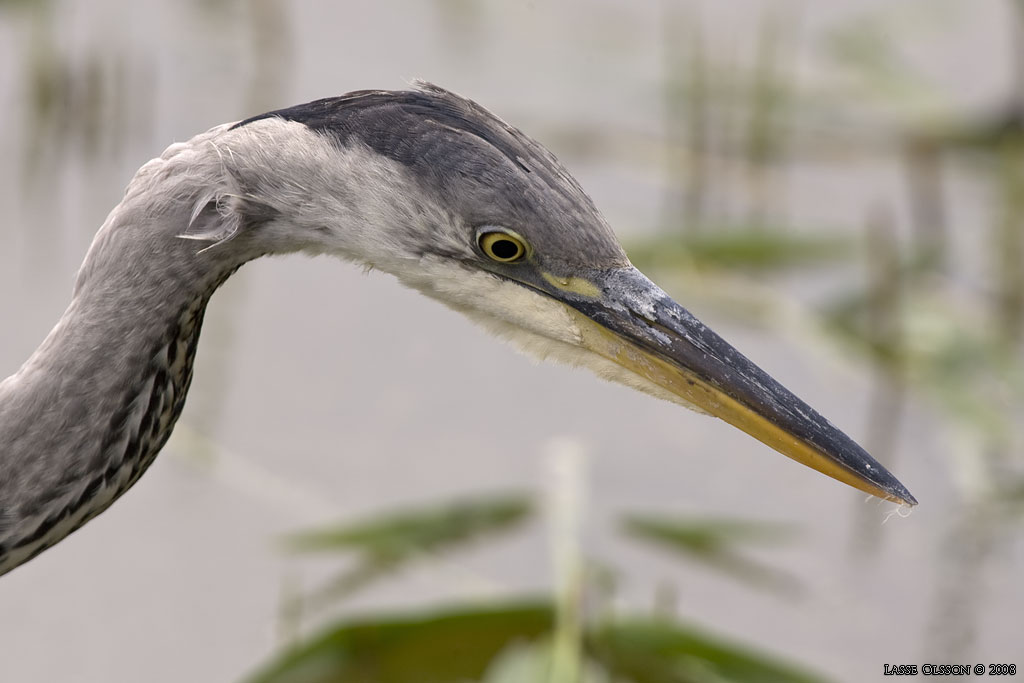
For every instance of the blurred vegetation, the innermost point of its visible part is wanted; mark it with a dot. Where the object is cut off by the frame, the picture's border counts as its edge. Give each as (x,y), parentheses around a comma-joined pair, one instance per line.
(508,642)
(763,250)
(719,544)
(457,645)
(391,541)
(518,640)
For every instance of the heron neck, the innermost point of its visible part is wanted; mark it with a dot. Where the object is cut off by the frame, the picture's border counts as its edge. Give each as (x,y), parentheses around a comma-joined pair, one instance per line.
(88,412)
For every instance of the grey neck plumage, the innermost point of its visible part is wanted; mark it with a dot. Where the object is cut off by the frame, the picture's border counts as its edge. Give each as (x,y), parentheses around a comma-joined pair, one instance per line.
(88,412)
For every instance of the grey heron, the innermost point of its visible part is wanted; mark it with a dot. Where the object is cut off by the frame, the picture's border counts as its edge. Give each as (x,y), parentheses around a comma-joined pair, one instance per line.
(422,184)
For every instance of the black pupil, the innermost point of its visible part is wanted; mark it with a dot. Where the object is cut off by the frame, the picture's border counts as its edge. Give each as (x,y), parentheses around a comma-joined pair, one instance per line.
(504,249)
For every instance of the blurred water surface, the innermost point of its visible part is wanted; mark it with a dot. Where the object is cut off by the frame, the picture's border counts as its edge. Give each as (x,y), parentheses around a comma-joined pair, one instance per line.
(321,392)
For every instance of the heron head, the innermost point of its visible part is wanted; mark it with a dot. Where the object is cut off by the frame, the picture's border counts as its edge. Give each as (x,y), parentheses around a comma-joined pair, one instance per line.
(456,203)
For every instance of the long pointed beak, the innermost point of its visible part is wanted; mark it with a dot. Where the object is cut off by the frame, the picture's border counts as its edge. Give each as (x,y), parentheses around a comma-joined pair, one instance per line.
(626,318)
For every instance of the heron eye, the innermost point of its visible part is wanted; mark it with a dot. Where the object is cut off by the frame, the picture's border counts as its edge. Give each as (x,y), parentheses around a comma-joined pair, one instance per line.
(503,247)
